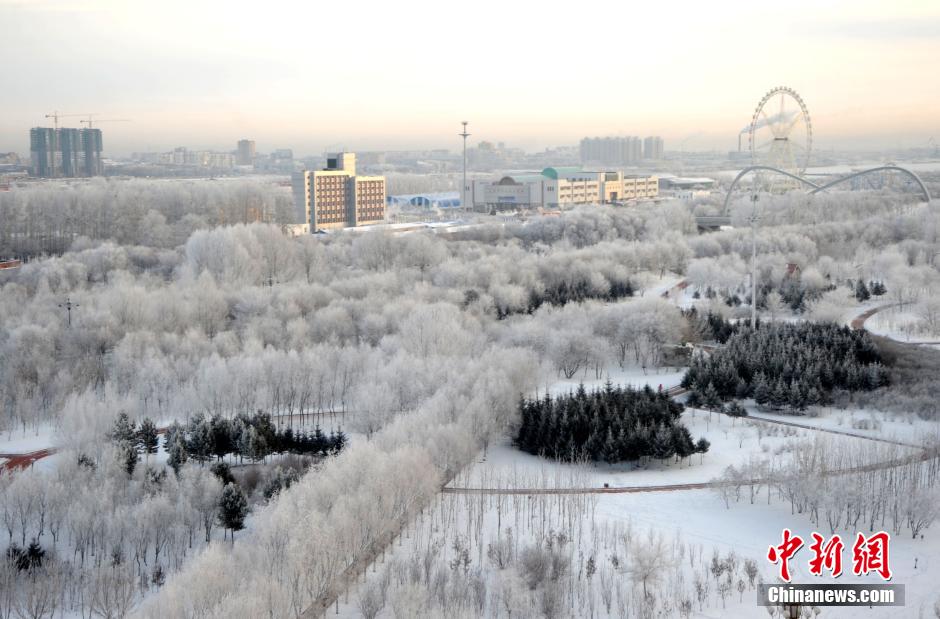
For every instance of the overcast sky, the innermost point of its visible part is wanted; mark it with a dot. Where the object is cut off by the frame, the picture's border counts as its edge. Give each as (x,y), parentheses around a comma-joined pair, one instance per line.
(364,75)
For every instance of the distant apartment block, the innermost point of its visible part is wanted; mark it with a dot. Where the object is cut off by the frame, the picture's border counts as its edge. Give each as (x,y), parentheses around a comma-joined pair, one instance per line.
(336,197)
(183,157)
(245,155)
(560,187)
(618,151)
(65,153)
(653,148)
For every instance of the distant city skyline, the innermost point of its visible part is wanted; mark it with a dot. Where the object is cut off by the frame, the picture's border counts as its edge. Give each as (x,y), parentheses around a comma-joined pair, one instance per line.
(205,74)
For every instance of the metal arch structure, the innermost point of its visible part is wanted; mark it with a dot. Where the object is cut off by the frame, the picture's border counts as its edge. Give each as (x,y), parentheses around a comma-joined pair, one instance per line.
(817,188)
(757,168)
(893,168)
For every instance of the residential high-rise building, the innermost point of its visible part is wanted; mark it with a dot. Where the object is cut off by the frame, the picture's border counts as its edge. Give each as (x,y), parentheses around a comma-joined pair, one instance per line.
(42,147)
(620,151)
(65,152)
(246,152)
(653,147)
(335,197)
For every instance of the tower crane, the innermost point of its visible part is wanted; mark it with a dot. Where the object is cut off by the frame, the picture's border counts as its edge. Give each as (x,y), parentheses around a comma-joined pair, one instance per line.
(55,116)
(91,120)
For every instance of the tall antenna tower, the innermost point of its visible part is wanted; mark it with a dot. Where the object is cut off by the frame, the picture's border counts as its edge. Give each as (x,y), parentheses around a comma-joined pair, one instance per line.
(463,187)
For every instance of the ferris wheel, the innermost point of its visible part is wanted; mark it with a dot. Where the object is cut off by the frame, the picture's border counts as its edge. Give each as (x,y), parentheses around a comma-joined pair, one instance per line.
(781,133)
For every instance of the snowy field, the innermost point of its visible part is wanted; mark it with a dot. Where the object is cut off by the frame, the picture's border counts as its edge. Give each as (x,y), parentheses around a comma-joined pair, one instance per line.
(900,325)
(696,524)
(687,525)
(733,442)
(627,377)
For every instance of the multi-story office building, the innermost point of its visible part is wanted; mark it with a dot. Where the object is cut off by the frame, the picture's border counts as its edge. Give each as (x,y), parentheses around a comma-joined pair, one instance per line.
(653,148)
(335,197)
(245,155)
(560,187)
(65,153)
(611,151)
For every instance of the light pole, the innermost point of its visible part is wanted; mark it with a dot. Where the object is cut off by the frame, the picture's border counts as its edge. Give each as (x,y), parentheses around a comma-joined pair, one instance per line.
(68,305)
(463,187)
(753,220)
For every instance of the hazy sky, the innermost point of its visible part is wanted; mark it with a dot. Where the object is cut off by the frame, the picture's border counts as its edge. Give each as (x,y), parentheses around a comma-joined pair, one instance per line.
(313,75)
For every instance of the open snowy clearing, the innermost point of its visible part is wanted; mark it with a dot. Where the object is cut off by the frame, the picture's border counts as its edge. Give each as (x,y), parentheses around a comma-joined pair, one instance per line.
(900,325)
(692,518)
(733,442)
(20,442)
(656,378)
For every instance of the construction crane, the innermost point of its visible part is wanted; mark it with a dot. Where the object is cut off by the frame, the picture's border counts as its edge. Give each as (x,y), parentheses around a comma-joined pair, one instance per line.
(55,116)
(91,120)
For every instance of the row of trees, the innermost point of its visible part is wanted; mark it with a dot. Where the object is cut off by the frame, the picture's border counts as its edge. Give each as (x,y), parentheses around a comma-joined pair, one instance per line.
(852,485)
(254,437)
(562,293)
(87,538)
(786,365)
(548,556)
(47,218)
(613,424)
(152,322)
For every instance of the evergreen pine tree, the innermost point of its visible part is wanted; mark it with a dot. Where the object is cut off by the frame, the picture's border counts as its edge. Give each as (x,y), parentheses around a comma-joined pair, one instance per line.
(611,450)
(147,436)
(861,291)
(177,455)
(123,430)
(233,507)
(761,390)
(129,457)
(257,445)
(710,398)
(795,396)
(220,436)
(663,446)
(779,396)
(224,472)
(199,443)
(337,441)
(701,446)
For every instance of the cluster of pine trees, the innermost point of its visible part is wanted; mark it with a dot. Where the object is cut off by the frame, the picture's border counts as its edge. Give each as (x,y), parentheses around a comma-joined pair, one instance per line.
(563,292)
(864,292)
(785,366)
(254,437)
(559,294)
(613,424)
(710,326)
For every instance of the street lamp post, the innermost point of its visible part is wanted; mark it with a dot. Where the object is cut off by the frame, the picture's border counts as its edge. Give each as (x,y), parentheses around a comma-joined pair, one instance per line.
(463,188)
(68,305)
(753,220)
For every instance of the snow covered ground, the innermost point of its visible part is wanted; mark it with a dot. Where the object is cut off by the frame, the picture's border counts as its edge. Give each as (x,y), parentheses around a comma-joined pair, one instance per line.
(861,422)
(690,518)
(900,325)
(664,377)
(733,442)
(19,442)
